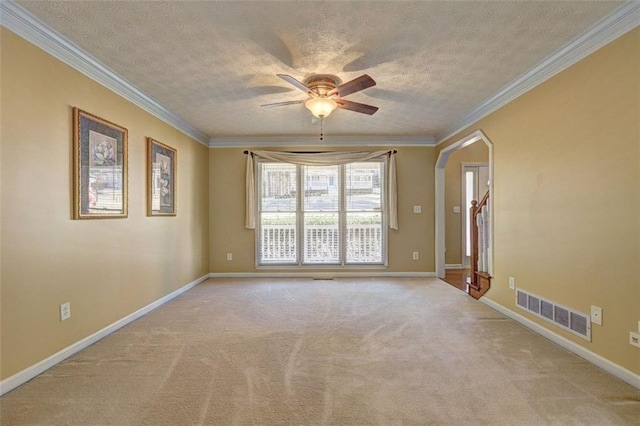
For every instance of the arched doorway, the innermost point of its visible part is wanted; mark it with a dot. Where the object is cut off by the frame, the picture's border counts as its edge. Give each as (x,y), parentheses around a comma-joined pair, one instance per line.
(443,157)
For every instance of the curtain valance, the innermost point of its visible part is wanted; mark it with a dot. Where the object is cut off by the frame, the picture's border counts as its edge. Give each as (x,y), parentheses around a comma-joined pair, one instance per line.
(333,158)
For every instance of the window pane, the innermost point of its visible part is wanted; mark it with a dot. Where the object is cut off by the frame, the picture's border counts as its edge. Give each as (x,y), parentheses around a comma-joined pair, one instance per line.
(364,186)
(278,187)
(277,238)
(321,238)
(320,188)
(364,238)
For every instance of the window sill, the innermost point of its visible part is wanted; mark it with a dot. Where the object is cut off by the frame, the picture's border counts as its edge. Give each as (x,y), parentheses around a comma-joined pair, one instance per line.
(353,267)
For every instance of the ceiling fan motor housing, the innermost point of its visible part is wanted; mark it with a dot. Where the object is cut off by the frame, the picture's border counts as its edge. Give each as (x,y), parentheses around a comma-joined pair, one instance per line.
(326,92)
(321,84)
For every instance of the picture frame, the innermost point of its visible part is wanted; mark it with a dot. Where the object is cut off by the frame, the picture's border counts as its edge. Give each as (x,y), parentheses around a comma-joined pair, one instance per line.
(99,167)
(161,179)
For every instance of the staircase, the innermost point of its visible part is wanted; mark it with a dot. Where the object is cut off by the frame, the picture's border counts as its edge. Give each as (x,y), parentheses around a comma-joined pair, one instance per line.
(480,280)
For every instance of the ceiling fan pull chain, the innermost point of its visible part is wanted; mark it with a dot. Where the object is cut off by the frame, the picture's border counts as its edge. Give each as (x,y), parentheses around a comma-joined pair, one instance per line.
(321,134)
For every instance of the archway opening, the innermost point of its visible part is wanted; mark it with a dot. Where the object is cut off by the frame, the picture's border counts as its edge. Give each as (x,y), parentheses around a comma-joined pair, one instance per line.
(443,158)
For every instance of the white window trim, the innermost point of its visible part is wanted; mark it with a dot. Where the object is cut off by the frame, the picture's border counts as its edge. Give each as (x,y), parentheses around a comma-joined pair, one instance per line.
(342,223)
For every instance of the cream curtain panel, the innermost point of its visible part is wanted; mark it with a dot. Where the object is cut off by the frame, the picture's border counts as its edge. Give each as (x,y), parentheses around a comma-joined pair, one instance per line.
(321,159)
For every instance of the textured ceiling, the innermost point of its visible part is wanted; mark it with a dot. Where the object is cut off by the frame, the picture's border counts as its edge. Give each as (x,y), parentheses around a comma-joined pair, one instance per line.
(214,63)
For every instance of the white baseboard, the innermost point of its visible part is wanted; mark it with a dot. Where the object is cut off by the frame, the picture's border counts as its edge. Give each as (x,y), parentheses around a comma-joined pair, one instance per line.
(322,275)
(29,373)
(610,367)
(454,266)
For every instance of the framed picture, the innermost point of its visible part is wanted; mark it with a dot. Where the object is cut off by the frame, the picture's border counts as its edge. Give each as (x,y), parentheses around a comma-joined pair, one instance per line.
(99,167)
(161,179)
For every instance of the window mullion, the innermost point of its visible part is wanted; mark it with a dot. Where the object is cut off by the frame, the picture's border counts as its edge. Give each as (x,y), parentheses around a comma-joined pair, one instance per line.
(257,172)
(342,216)
(299,214)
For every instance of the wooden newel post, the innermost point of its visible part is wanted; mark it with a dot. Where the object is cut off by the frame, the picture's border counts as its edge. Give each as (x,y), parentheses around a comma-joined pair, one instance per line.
(474,242)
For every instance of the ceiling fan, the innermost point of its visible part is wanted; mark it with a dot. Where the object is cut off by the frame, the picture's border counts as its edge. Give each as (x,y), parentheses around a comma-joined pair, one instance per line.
(325,93)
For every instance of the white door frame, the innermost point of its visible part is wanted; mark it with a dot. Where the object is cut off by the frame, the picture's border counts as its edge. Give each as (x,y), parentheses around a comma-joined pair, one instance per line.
(464,211)
(441,162)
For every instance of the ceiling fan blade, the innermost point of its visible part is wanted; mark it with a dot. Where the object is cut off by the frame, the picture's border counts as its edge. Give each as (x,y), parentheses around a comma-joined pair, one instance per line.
(297,84)
(277,104)
(356,106)
(353,86)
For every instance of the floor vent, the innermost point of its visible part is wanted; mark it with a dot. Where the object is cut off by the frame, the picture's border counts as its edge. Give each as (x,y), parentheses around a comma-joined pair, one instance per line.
(572,321)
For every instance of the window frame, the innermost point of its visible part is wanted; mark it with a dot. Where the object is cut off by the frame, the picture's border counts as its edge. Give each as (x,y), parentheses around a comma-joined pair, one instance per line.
(342,220)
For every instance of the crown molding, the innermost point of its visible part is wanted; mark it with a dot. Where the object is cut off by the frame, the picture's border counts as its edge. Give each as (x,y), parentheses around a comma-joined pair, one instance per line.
(620,21)
(21,22)
(329,141)
(18,20)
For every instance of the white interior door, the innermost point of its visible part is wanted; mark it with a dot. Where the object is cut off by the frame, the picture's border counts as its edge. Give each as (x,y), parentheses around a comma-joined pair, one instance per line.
(475,184)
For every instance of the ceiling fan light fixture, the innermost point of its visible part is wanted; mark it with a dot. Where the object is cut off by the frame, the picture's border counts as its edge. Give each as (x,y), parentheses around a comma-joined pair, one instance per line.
(321,107)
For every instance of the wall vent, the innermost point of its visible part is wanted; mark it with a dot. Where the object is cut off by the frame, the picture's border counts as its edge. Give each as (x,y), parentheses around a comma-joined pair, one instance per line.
(546,310)
(567,318)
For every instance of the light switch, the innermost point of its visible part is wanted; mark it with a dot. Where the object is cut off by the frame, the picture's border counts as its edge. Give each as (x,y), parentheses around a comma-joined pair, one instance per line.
(417,209)
(456,209)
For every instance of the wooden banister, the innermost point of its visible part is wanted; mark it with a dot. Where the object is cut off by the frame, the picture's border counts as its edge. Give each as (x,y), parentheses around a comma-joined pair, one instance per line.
(483,202)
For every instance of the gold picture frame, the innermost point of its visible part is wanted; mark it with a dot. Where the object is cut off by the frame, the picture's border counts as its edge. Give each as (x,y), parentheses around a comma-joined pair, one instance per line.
(99,168)
(161,179)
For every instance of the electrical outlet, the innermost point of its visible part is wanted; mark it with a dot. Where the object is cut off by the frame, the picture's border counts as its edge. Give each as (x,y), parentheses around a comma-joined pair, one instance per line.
(634,339)
(512,283)
(416,255)
(65,311)
(456,209)
(417,209)
(596,315)
(229,256)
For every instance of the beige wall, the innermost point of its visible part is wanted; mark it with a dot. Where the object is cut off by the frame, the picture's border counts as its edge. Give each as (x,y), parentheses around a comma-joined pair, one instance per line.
(567,195)
(566,200)
(416,231)
(107,269)
(474,153)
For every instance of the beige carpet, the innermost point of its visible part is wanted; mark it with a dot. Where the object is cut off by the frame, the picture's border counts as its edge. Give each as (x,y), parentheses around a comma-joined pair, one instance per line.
(305,352)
